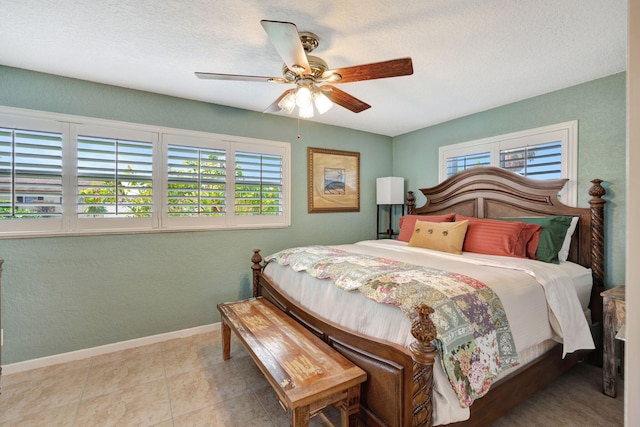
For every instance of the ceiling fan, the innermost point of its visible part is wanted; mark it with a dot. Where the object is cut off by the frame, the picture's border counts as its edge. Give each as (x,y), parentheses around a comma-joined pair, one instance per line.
(311,74)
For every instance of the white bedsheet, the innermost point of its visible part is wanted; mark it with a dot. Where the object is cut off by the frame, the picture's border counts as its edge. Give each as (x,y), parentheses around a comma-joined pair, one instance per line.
(524,286)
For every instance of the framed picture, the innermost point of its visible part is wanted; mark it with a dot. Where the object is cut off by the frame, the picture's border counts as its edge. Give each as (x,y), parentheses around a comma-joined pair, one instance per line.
(333,181)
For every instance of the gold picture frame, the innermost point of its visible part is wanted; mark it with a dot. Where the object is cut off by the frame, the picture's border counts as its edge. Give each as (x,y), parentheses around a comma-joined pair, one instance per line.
(333,180)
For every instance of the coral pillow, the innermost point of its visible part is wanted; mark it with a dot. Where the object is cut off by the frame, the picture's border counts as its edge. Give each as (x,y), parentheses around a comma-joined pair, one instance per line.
(494,237)
(439,236)
(408,223)
(532,235)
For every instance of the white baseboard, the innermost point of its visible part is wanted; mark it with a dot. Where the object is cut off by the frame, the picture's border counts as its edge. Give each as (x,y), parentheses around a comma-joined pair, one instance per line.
(71,356)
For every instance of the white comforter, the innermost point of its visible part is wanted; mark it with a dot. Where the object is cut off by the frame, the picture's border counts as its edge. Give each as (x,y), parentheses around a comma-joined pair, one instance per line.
(541,300)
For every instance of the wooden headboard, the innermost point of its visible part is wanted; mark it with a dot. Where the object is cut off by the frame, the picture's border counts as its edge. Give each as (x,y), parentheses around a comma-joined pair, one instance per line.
(490,192)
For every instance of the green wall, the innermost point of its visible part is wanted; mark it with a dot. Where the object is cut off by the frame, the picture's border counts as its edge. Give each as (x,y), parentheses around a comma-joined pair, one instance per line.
(599,107)
(61,294)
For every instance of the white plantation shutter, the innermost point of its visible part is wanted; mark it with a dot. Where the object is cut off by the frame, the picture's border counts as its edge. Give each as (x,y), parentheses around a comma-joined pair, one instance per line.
(114,178)
(259,184)
(220,183)
(30,174)
(459,163)
(196,181)
(542,161)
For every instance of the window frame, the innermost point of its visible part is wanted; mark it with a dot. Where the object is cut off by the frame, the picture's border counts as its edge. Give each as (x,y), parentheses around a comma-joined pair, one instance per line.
(71,224)
(86,224)
(566,133)
(35,225)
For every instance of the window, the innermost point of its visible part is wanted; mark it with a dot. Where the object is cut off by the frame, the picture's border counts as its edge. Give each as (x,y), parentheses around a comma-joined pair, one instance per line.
(197,181)
(542,161)
(114,177)
(232,183)
(541,153)
(61,174)
(259,184)
(465,161)
(30,174)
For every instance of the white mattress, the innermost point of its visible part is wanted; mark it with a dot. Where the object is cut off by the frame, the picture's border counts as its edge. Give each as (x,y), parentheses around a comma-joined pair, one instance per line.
(515,281)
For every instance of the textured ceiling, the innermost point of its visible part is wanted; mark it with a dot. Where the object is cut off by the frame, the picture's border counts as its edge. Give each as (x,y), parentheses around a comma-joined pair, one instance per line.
(468,56)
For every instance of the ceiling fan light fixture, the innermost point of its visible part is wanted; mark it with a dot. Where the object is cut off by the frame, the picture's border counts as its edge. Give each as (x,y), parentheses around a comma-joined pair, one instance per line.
(303,97)
(288,103)
(323,104)
(305,112)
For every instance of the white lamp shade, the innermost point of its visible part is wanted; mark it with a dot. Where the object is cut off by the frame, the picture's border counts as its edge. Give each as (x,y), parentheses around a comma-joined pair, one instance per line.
(323,104)
(303,97)
(390,190)
(288,103)
(306,112)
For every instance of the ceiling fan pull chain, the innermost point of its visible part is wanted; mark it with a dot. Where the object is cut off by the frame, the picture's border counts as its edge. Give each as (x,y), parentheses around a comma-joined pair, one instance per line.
(299,136)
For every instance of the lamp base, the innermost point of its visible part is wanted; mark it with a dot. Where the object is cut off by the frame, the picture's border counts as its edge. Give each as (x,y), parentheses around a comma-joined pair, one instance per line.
(389,233)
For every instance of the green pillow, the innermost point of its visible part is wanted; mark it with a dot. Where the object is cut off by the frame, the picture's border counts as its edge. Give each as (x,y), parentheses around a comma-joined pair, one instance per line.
(554,228)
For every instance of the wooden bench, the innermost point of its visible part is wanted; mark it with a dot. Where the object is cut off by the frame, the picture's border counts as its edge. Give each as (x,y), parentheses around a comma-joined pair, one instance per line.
(306,374)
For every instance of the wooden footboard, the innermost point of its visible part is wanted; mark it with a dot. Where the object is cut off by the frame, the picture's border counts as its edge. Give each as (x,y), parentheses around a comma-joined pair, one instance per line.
(398,390)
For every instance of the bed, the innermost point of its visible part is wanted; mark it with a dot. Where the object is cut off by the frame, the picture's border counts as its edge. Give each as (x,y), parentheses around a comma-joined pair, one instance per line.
(400,390)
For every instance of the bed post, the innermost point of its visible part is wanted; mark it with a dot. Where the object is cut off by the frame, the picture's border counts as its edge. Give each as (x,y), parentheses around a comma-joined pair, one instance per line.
(256,268)
(411,203)
(597,247)
(423,354)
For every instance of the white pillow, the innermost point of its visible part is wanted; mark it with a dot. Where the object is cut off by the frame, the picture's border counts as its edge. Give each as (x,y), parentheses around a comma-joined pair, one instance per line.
(564,250)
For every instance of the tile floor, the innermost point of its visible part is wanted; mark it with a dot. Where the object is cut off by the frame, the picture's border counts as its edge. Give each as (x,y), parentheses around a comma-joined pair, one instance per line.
(182,382)
(185,382)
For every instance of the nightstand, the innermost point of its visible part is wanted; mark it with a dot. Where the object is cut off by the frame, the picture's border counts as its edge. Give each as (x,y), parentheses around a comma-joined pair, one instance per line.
(614,307)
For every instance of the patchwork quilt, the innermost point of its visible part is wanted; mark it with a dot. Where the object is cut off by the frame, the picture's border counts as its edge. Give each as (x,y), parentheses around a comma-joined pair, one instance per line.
(473,335)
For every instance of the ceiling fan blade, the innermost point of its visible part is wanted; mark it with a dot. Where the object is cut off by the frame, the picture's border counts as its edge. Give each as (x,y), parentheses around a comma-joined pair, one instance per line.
(274,108)
(343,99)
(285,38)
(240,77)
(377,70)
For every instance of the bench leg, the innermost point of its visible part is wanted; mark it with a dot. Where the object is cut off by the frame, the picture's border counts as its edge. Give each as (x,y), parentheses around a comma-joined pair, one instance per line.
(299,417)
(350,410)
(226,340)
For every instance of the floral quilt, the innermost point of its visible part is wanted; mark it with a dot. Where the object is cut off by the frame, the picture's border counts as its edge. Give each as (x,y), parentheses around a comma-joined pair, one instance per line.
(474,339)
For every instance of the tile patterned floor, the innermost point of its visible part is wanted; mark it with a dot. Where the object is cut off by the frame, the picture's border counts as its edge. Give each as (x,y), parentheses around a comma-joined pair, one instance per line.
(185,382)
(182,382)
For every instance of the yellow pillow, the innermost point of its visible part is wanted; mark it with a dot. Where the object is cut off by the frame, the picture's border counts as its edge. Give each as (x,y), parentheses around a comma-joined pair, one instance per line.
(440,236)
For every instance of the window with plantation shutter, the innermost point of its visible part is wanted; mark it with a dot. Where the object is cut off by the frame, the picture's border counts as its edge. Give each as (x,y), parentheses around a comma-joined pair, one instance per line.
(30,174)
(541,153)
(63,174)
(114,178)
(219,182)
(542,161)
(259,184)
(196,181)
